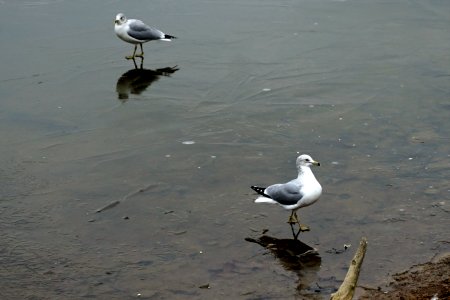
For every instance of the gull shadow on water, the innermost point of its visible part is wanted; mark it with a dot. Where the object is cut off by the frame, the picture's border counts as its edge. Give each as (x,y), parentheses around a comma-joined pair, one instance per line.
(297,257)
(137,80)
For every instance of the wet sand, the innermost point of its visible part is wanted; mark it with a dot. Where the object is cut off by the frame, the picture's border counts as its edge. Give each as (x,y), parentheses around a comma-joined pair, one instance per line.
(424,281)
(362,86)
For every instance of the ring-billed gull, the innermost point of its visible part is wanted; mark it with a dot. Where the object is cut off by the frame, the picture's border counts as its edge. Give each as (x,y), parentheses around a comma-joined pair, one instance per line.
(297,193)
(137,32)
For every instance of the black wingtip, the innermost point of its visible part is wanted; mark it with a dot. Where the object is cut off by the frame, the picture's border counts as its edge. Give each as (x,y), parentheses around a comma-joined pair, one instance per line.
(259,190)
(166,36)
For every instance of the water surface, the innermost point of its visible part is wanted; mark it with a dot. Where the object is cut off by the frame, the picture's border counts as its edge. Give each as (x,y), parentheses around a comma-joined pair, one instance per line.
(362,86)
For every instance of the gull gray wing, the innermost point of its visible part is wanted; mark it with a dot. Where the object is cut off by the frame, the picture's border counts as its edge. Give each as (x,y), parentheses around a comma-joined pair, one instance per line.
(286,194)
(141,31)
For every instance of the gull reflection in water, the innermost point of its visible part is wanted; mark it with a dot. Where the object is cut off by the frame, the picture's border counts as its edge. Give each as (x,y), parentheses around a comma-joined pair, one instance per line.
(297,257)
(137,80)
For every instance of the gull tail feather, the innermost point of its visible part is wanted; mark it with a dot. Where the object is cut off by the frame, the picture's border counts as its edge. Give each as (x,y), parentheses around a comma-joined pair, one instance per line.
(262,199)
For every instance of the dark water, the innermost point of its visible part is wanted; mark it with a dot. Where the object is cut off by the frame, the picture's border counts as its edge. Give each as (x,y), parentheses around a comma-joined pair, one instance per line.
(362,86)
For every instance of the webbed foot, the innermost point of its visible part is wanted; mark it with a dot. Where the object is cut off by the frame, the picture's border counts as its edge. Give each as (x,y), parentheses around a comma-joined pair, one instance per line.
(292,219)
(303,227)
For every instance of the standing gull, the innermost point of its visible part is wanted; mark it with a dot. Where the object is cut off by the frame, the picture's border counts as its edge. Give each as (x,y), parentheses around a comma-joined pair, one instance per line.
(297,193)
(137,32)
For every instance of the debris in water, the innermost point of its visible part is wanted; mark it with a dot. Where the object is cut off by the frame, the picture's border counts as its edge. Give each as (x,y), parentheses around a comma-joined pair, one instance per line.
(178,232)
(108,206)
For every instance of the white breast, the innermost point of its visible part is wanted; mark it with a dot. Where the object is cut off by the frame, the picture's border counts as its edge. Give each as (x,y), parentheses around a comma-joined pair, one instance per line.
(121,31)
(311,189)
(312,194)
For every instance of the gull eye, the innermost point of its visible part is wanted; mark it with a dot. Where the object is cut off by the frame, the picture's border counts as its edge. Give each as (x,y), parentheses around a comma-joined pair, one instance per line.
(307,159)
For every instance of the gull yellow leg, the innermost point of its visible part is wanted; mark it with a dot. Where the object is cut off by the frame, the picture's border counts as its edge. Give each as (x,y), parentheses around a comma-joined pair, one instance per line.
(292,218)
(134,53)
(302,227)
(142,52)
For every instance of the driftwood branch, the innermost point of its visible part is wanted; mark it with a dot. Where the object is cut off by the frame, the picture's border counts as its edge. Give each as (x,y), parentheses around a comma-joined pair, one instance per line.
(347,288)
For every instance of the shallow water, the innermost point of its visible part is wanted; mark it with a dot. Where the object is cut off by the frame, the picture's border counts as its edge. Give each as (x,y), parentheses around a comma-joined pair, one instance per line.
(362,86)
